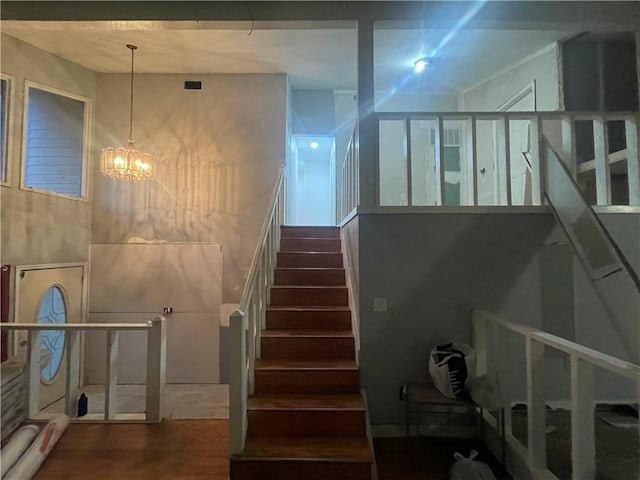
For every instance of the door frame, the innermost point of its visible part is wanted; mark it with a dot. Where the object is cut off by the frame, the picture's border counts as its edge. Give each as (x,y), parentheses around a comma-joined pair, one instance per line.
(507,105)
(83,308)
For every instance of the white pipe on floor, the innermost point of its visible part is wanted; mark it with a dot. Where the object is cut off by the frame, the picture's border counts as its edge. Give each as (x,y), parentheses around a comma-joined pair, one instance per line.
(29,463)
(16,446)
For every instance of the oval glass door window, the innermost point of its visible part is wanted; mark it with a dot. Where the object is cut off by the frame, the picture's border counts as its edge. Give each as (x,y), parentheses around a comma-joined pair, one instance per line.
(52,310)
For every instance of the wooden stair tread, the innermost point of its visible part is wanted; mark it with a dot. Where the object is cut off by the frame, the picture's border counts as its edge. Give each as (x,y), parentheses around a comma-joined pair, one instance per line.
(311,269)
(351,402)
(279,364)
(318,287)
(307,333)
(329,449)
(304,252)
(305,308)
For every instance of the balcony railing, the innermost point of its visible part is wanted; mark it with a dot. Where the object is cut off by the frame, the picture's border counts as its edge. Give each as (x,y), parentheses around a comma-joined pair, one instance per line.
(348,194)
(494,158)
(156,367)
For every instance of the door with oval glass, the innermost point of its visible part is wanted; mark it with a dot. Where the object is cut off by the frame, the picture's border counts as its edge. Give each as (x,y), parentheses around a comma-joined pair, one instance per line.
(49,295)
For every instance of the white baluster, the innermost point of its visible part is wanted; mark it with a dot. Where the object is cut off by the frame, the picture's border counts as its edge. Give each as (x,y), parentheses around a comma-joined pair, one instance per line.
(536,422)
(633,159)
(73,372)
(603,175)
(583,450)
(156,369)
(111,378)
(33,373)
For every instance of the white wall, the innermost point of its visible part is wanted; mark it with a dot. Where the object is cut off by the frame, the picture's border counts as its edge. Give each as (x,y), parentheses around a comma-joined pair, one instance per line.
(433,269)
(39,228)
(185,277)
(415,101)
(218,149)
(541,67)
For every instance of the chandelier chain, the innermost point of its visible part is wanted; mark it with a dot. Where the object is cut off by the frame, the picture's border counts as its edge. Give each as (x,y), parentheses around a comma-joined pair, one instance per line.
(133,49)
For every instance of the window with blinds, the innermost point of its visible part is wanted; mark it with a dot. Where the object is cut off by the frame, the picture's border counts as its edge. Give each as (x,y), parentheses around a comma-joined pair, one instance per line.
(55,142)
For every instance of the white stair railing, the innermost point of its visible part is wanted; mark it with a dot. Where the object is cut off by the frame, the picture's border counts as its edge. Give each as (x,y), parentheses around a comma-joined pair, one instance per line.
(491,332)
(156,367)
(349,177)
(246,323)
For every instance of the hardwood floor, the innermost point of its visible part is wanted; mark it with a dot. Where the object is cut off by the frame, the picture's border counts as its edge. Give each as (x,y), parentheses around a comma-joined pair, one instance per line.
(198,449)
(173,449)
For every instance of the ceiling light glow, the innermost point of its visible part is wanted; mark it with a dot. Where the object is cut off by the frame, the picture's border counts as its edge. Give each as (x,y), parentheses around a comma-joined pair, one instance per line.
(314,145)
(421,64)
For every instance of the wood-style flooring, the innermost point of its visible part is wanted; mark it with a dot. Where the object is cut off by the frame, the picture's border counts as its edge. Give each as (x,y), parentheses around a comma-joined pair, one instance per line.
(173,449)
(198,449)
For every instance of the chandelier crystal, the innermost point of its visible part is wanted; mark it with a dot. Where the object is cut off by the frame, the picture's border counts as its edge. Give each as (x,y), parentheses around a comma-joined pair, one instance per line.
(128,163)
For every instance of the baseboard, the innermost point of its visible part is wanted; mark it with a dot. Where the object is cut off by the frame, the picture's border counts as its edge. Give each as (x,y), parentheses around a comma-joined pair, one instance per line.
(446,431)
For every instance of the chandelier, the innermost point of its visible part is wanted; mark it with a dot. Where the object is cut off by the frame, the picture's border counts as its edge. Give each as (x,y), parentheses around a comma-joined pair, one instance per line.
(128,163)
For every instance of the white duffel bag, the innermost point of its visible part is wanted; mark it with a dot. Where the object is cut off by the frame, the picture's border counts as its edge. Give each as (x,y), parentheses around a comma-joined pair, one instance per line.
(449,366)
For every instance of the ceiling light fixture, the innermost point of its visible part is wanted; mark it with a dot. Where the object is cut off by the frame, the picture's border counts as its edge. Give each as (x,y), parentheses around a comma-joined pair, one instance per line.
(421,64)
(128,163)
(314,145)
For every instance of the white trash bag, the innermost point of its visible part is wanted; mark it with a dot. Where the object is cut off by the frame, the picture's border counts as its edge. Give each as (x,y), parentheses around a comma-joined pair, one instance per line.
(470,469)
(449,366)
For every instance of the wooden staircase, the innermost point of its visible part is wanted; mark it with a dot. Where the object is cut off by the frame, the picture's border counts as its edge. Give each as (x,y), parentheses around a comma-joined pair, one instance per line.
(307,418)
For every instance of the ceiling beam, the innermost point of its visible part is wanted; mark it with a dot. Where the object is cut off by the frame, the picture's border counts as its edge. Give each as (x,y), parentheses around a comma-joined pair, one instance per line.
(585,15)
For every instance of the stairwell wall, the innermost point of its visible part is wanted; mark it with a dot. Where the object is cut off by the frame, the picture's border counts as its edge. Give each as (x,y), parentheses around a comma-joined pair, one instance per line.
(219,150)
(434,269)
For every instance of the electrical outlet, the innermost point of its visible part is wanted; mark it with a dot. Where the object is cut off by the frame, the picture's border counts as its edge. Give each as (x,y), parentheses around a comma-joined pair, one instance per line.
(167,310)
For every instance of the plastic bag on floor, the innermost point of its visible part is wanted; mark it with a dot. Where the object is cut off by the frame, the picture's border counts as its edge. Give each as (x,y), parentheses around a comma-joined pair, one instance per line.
(469,469)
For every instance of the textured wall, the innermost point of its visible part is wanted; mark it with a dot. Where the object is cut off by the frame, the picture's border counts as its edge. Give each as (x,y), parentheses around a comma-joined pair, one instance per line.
(39,228)
(219,150)
(433,269)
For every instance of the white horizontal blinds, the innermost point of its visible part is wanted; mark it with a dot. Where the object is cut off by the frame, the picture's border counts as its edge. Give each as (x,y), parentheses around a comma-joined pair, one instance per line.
(54,142)
(4,117)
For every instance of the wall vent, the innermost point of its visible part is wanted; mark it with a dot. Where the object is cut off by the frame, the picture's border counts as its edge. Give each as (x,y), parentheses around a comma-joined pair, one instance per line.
(192,85)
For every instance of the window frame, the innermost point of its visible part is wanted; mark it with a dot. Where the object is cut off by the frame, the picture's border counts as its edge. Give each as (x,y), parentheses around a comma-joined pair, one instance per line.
(9,127)
(86,140)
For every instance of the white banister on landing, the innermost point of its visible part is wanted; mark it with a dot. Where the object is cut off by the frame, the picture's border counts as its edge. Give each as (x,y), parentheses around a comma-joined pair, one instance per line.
(246,323)
(424,158)
(156,366)
(489,329)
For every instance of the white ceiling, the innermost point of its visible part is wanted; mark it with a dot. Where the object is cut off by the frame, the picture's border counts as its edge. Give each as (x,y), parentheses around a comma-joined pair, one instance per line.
(315,57)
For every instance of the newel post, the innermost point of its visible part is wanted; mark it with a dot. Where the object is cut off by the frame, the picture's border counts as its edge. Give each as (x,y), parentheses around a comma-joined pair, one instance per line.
(156,369)
(237,382)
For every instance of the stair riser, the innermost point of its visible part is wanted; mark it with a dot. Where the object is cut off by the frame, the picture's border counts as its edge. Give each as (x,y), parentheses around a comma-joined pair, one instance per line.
(310,260)
(300,423)
(308,348)
(308,320)
(328,296)
(306,382)
(296,276)
(297,470)
(310,232)
(310,245)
